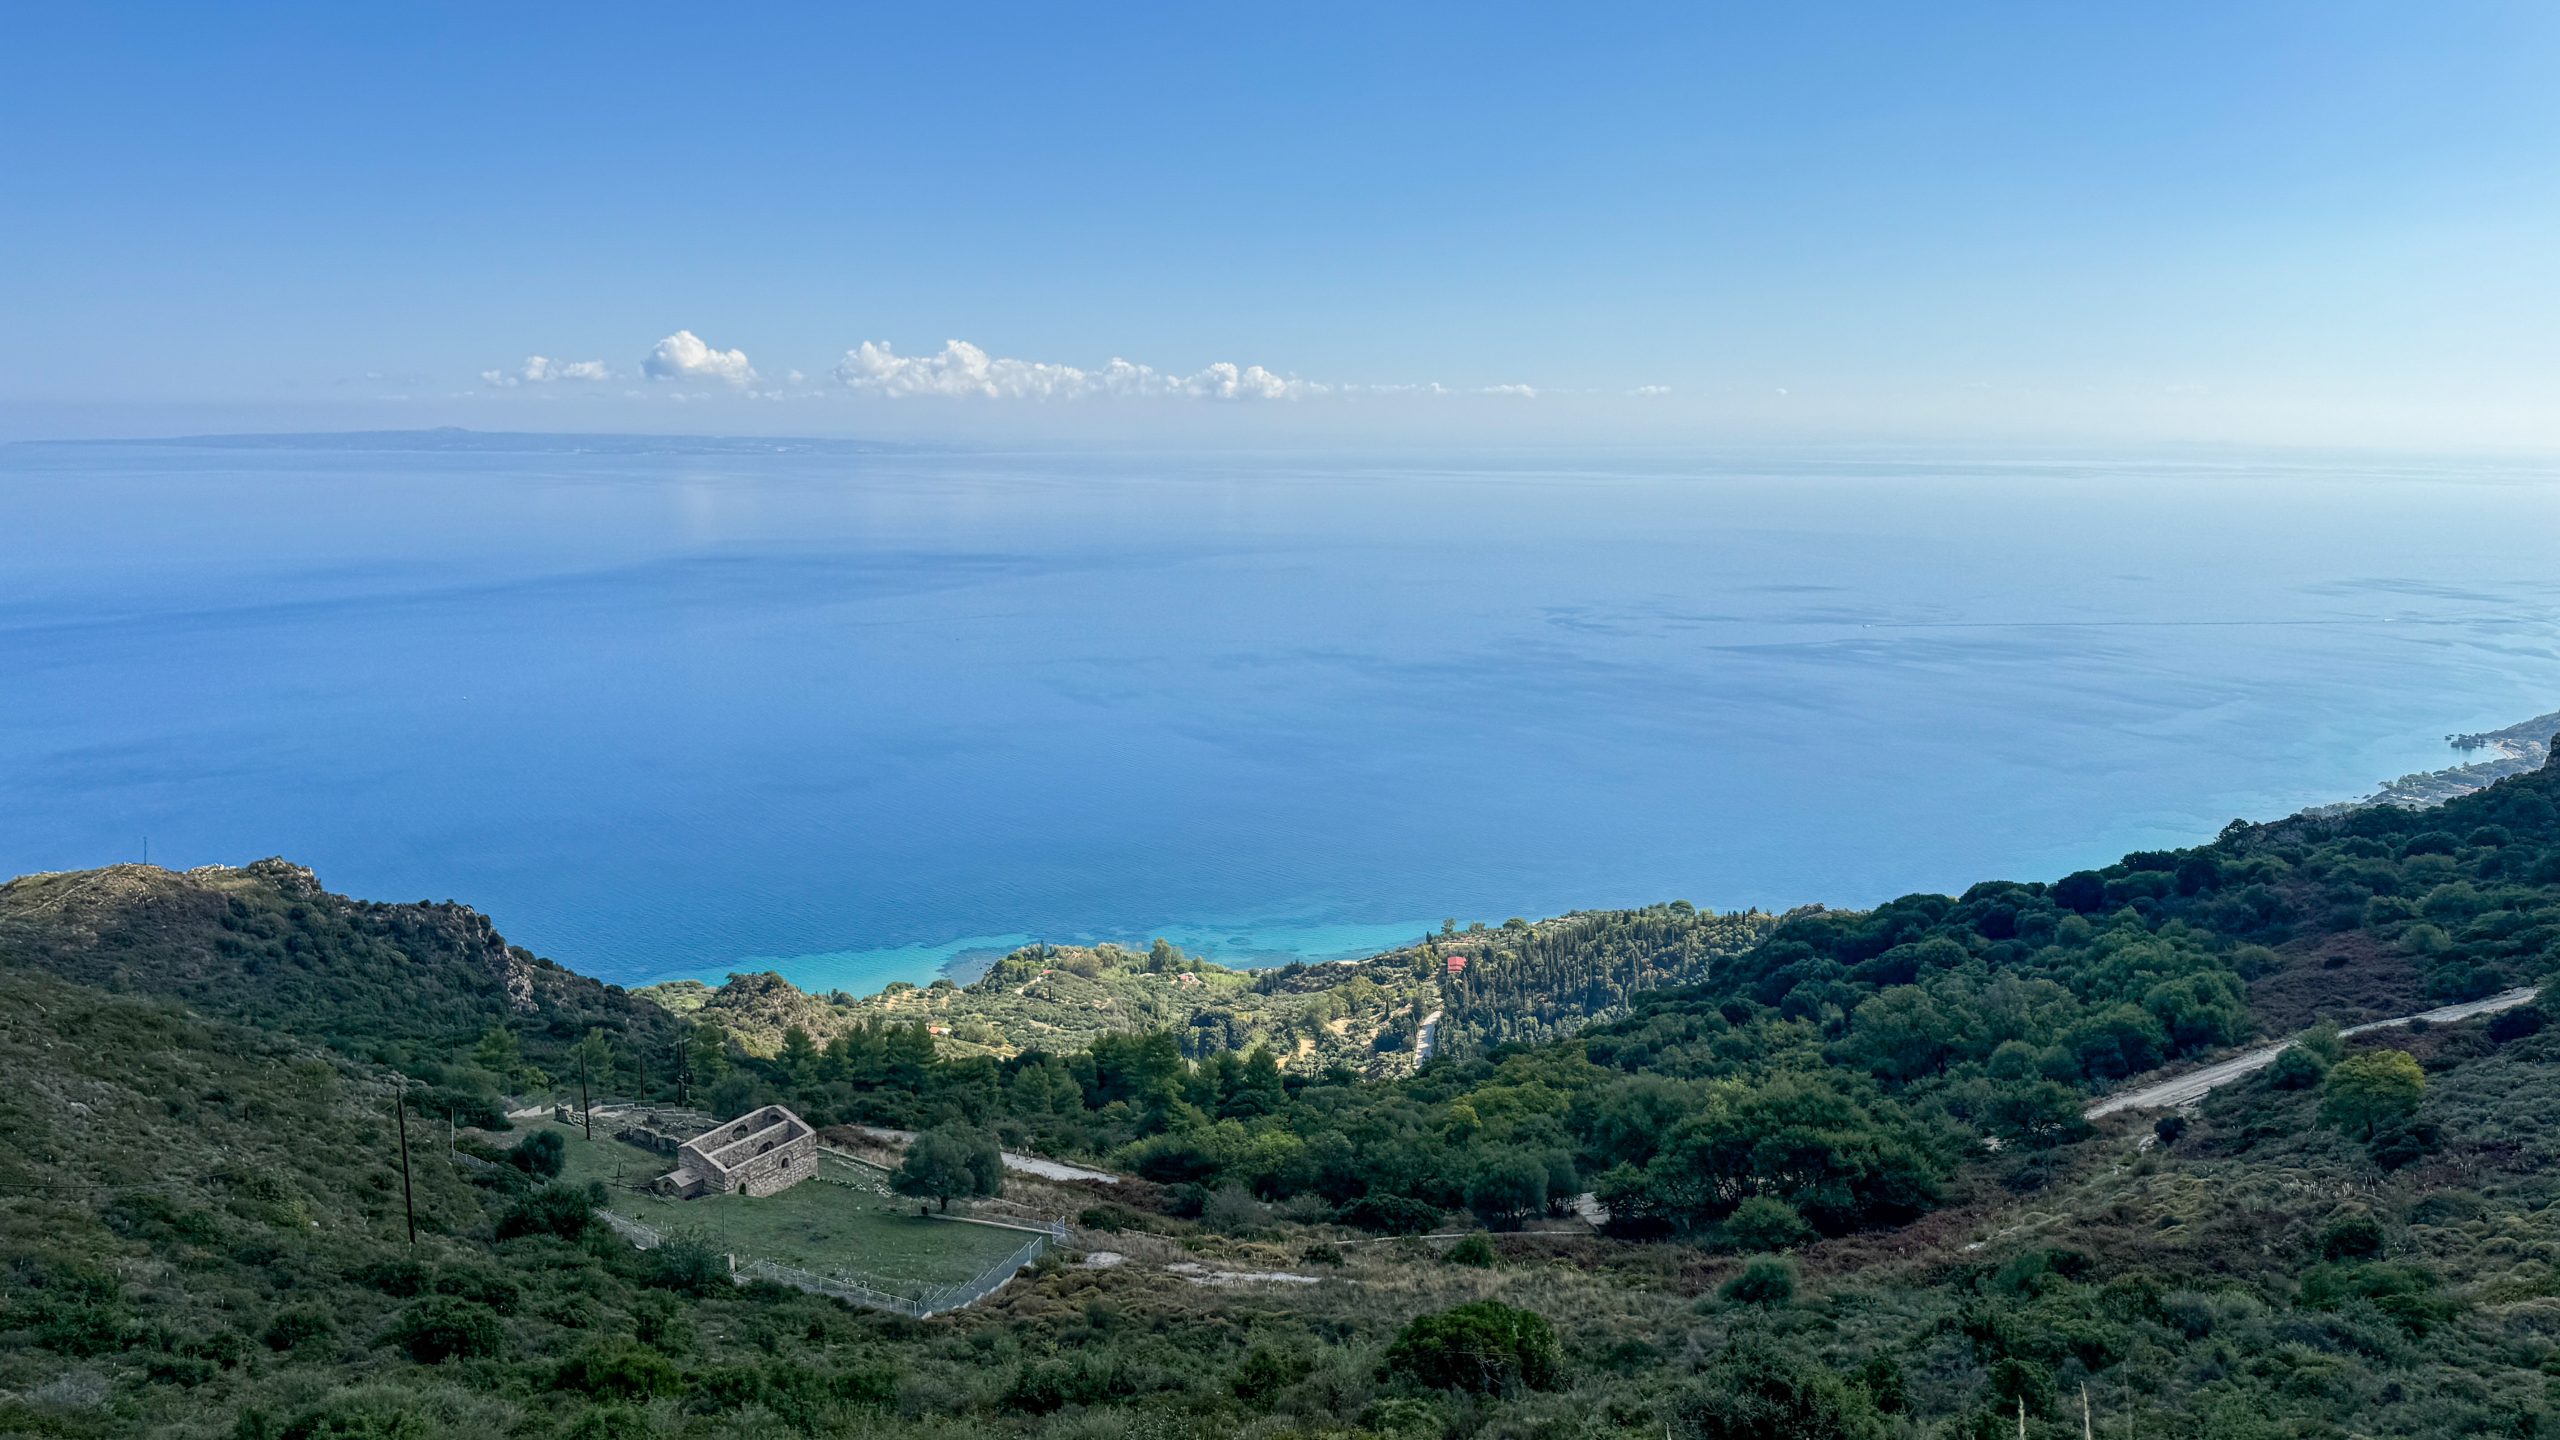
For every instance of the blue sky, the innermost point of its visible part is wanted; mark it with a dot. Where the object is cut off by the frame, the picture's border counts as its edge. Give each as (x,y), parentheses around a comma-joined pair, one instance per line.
(2298,223)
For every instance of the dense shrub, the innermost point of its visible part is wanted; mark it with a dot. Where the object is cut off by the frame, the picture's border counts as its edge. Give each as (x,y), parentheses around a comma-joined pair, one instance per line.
(2296,1069)
(441,1327)
(1475,1249)
(1266,1372)
(689,1266)
(617,1370)
(1765,1281)
(540,1154)
(297,1325)
(1757,1389)
(1388,1214)
(1112,1216)
(483,1284)
(801,1396)
(1485,1348)
(2516,1024)
(400,1278)
(565,1211)
(2409,1296)
(2349,1235)
(2405,1143)
(1765,1222)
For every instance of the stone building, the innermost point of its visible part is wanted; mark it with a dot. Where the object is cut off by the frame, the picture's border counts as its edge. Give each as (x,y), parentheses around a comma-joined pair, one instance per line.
(760,1153)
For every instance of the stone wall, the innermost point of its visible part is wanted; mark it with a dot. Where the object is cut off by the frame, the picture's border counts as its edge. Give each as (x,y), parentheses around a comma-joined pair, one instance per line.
(778,1169)
(759,1153)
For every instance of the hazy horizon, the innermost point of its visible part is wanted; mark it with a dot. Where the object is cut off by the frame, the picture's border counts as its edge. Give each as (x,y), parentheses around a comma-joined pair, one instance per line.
(1673,225)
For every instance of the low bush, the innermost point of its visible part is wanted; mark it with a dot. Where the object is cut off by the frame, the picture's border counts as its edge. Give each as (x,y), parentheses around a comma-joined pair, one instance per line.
(2296,1069)
(1765,1222)
(1765,1281)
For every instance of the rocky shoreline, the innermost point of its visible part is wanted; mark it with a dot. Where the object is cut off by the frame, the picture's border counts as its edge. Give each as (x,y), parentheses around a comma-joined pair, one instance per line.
(2515,750)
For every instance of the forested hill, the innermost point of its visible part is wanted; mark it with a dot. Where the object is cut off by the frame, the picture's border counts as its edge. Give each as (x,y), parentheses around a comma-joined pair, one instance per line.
(1521,981)
(1527,983)
(412,986)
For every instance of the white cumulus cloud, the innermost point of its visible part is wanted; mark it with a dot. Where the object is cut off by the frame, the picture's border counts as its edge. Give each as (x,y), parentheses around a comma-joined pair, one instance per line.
(542,370)
(961,369)
(685,356)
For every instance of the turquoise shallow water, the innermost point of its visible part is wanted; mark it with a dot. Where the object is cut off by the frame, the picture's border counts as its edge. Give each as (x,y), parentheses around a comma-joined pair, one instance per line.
(859,717)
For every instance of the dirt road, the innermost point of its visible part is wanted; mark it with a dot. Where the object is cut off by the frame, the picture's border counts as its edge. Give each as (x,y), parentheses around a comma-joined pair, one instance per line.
(1041,1166)
(2195,1084)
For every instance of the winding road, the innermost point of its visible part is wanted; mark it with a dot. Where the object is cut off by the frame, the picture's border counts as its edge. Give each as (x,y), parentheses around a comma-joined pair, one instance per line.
(2195,1084)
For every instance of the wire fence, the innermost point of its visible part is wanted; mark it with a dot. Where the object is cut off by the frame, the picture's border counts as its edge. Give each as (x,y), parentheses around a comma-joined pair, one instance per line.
(646,1237)
(920,1303)
(853,1290)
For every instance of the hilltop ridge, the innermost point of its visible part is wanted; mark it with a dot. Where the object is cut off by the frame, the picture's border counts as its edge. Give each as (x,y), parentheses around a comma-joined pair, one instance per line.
(266,944)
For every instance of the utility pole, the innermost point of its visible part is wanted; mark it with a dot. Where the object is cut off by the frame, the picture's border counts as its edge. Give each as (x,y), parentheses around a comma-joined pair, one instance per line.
(2022,1417)
(586,1111)
(408,1198)
(2088,1430)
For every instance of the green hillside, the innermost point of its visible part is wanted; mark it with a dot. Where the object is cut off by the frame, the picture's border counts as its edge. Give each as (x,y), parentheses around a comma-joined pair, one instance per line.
(413,986)
(1848,1187)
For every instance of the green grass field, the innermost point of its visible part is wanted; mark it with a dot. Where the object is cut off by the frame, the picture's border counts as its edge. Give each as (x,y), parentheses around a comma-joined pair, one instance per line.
(815,1225)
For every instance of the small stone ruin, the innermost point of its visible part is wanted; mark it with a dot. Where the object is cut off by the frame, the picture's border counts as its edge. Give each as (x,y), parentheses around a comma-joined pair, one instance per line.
(762,1152)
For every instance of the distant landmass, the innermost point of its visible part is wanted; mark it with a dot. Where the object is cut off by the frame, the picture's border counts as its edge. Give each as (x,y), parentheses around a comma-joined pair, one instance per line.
(458,440)
(1452,994)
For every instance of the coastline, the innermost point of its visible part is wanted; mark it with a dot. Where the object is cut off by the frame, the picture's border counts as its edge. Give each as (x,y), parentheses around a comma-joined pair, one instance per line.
(2513,750)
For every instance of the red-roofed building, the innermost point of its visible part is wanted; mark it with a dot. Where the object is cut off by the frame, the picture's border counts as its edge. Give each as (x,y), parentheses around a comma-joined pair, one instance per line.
(1457,964)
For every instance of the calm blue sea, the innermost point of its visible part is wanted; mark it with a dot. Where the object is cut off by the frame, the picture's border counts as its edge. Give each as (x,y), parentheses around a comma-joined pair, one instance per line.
(852,716)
